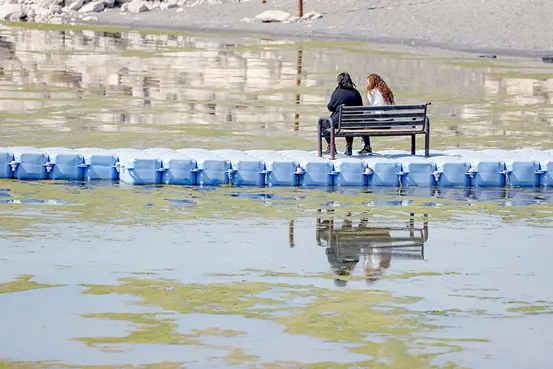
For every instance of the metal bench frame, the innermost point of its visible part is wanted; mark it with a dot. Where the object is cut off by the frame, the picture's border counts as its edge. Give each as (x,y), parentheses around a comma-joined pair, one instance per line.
(406,247)
(389,120)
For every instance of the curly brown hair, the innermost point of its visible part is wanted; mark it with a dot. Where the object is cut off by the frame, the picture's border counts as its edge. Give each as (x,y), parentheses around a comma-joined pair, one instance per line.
(375,81)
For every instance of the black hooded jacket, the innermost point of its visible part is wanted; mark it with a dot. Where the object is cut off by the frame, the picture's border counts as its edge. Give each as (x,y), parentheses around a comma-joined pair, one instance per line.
(345,96)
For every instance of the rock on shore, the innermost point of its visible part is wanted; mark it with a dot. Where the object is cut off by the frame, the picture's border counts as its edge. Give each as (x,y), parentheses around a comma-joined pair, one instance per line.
(62,11)
(57,11)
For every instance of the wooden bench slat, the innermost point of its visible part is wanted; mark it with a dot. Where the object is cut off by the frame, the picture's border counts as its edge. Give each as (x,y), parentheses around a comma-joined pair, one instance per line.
(350,125)
(387,132)
(346,109)
(360,115)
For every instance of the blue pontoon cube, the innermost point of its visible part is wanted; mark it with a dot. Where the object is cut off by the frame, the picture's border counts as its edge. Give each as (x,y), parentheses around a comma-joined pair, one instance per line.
(281,170)
(178,168)
(137,167)
(212,170)
(29,162)
(6,159)
(246,170)
(64,163)
(99,164)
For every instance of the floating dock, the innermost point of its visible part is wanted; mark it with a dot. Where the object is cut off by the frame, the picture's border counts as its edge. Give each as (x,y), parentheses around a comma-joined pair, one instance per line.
(200,167)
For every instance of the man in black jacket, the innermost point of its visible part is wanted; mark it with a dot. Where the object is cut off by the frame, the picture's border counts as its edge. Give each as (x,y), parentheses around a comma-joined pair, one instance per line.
(345,94)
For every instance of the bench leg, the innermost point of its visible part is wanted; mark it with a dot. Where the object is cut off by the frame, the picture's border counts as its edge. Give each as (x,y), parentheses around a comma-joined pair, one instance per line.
(320,140)
(413,144)
(427,138)
(332,144)
(427,144)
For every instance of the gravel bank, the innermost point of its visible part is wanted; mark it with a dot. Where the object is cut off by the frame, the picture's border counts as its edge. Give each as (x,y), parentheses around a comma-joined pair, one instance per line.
(492,26)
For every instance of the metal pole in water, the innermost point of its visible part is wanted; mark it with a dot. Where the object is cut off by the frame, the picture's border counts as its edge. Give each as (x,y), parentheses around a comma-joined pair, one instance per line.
(300,8)
(298,83)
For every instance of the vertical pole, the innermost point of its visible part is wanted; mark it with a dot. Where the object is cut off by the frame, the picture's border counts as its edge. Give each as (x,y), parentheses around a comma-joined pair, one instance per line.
(413,144)
(298,83)
(300,8)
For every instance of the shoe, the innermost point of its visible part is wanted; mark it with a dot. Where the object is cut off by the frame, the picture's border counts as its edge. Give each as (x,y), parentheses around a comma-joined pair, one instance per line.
(349,150)
(366,150)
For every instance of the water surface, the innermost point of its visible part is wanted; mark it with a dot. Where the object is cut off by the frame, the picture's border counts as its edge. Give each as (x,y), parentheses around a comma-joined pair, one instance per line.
(74,87)
(105,275)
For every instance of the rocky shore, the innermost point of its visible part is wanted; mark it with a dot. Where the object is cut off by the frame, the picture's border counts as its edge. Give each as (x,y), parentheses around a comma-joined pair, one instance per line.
(500,26)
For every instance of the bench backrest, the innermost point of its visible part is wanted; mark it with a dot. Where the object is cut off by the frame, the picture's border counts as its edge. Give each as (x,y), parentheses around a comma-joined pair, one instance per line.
(367,117)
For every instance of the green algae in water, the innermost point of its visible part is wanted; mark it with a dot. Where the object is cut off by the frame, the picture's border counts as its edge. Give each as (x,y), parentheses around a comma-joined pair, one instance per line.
(23,283)
(51,364)
(530,309)
(341,316)
(152,329)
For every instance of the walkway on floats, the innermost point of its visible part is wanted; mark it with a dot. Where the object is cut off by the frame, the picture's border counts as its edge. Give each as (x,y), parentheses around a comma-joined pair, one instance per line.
(199,167)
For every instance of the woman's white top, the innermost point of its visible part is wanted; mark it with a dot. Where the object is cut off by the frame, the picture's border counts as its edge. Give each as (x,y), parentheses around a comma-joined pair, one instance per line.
(375,98)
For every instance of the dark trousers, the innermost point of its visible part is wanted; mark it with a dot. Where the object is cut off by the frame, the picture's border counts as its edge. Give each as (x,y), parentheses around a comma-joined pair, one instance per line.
(366,140)
(324,122)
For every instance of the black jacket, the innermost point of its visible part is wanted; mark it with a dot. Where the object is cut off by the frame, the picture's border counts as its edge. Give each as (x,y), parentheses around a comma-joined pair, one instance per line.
(347,97)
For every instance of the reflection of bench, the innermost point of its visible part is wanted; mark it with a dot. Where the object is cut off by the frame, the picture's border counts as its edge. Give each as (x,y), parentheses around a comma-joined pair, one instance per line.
(393,120)
(348,241)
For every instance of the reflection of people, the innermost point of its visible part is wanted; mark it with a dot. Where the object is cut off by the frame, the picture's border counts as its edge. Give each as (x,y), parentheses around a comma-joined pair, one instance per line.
(378,94)
(376,260)
(346,244)
(345,94)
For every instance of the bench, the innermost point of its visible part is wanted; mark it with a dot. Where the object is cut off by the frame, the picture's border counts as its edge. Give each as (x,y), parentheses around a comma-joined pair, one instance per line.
(389,120)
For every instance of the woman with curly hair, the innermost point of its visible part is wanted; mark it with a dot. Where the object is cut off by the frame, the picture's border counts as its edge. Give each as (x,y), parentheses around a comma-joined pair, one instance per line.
(378,94)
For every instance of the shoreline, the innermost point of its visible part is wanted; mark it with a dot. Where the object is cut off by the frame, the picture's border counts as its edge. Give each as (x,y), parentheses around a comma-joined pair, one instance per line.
(212,30)
(499,28)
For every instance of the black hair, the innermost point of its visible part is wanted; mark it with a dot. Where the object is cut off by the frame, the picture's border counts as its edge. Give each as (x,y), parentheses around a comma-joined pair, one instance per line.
(344,81)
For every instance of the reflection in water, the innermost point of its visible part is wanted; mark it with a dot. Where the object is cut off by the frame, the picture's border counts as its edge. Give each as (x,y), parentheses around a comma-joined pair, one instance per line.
(222,90)
(348,243)
(298,83)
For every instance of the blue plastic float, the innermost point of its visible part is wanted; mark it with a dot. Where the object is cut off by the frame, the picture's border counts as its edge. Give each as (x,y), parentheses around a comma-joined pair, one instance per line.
(313,170)
(6,158)
(64,163)
(29,163)
(545,173)
(416,171)
(211,169)
(138,167)
(245,169)
(176,167)
(280,169)
(451,171)
(99,164)
(485,171)
(382,171)
(350,172)
(520,170)
(200,167)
